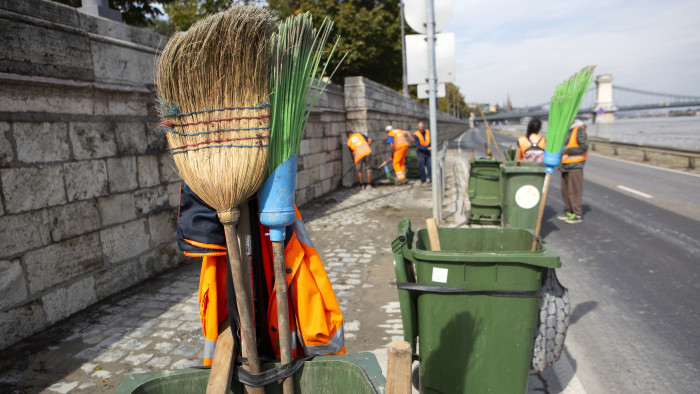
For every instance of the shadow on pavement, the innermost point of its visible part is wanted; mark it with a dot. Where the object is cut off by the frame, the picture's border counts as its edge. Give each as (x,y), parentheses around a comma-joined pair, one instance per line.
(558,377)
(94,349)
(548,221)
(581,310)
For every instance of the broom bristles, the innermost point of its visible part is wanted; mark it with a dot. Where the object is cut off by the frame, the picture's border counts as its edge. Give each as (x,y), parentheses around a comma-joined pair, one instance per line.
(213,85)
(297,49)
(564,107)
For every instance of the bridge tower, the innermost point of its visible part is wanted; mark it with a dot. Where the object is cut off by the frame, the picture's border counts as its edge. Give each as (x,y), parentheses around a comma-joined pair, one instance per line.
(604,108)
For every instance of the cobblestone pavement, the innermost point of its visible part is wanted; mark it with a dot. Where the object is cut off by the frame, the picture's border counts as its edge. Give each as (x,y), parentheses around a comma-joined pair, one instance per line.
(155,326)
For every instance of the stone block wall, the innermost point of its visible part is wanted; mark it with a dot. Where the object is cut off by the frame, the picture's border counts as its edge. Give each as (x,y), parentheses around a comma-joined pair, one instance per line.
(88,194)
(319,168)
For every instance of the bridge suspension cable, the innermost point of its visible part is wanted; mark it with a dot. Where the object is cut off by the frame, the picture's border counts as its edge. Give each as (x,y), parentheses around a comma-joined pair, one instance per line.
(629,98)
(648,93)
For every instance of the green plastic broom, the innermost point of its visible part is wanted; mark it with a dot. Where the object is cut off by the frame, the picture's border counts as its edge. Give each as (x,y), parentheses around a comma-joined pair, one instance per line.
(297,50)
(562,111)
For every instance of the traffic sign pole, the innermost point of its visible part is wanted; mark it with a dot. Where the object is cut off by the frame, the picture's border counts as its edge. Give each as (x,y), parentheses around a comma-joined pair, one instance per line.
(432,105)
(403,52)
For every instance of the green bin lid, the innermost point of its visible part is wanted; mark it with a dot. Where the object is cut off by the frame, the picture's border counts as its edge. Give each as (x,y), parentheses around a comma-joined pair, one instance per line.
(513,248)
(523,168)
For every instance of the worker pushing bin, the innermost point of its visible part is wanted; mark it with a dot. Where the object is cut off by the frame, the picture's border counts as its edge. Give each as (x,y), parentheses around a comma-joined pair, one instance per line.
(472,306)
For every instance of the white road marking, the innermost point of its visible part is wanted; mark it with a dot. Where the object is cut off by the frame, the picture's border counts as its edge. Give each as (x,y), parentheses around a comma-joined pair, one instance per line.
(459,142)
(643,165)
(637,192)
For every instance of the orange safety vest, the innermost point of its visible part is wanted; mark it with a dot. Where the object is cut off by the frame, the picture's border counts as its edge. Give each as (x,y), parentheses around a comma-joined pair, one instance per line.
(399,139)
(423,141)
(360,147)
(212,301)
(315,318)
(573,143)
(316,321)
(526,143)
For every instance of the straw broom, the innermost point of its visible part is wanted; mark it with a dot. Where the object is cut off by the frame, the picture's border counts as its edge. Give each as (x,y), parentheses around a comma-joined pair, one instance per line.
(296,53)
(213,85)
(562,111)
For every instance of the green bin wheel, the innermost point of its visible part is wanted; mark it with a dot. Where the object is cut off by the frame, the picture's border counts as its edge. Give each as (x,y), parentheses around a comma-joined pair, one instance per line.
(415,377)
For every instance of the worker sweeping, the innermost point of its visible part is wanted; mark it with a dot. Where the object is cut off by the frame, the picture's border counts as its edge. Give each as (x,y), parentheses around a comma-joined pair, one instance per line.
(398,143)
(359,144)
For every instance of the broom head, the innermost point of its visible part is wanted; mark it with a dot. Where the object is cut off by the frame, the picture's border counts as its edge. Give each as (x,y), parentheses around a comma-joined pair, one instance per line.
(562,111)
(212,83)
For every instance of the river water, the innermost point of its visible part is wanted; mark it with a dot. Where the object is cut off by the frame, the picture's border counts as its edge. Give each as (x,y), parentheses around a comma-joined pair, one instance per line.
(677,132)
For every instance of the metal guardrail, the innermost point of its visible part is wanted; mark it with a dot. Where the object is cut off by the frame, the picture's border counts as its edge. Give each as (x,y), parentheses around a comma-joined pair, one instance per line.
(441,177)
(645,149)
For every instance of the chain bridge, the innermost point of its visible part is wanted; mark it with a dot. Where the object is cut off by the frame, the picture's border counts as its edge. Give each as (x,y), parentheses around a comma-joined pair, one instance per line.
(604,99)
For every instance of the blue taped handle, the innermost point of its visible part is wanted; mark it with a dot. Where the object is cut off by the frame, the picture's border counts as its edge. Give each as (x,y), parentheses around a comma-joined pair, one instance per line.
(551,160)
(276,199)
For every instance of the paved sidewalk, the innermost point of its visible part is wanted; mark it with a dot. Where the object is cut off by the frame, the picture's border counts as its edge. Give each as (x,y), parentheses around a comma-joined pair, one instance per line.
(150,327)
(155,326)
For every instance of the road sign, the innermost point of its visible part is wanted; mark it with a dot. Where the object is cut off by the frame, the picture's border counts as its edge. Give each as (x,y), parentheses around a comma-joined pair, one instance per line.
(417,58)
(416,15)
(424,93)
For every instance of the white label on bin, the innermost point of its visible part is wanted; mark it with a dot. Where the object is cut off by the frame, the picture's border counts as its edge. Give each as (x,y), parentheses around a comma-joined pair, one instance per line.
(527,196)
(439,275)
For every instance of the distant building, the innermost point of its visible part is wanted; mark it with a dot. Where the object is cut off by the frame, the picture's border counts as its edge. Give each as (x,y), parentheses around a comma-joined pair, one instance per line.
(484,107)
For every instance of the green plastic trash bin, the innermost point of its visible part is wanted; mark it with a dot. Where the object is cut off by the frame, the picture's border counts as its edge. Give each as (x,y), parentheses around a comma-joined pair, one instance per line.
(472,306)
(522,191)
(349,373)
(484,190)
(411,163)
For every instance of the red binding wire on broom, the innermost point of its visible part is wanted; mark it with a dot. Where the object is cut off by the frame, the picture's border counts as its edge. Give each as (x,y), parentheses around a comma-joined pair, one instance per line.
(261,137)
(168,123)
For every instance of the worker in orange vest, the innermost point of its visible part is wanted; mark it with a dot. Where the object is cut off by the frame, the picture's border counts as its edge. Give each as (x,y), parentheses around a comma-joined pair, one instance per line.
(421,138)
(359,144)
(573,159)
(316,321)
(396,138)
(531,146)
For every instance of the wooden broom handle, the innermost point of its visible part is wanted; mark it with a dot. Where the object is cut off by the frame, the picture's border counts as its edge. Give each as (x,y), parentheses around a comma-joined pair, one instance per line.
(241,285)
(224,360)
(282,311)
(431,224)
(540,213)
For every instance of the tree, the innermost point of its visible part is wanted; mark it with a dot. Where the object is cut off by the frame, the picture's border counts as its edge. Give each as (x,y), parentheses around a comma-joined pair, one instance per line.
(185,13)
(369,30)
(453,102)
(369,33)
(139,13)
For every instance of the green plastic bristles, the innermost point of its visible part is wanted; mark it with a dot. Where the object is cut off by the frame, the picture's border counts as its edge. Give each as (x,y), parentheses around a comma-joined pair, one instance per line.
(297,50)
(564,107)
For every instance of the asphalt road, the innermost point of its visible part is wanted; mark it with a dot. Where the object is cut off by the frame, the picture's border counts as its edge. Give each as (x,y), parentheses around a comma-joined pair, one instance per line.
(632,272)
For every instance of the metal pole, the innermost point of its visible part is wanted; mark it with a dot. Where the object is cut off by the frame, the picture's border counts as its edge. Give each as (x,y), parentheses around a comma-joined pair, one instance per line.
(432,101)
(403,52)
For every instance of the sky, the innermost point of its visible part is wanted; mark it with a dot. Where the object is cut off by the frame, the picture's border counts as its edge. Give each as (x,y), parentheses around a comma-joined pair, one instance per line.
(525,48)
